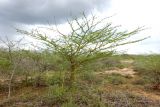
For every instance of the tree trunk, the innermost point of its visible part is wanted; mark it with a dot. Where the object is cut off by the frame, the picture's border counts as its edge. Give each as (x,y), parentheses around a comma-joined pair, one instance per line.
(72,74)
(10,81)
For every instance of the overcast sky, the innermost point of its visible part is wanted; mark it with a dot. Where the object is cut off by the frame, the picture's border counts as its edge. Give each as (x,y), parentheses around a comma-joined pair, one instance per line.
(128,13)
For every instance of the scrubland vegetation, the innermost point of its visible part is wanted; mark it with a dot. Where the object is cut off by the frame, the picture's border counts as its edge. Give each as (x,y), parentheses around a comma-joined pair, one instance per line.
(40,80)
(81,69)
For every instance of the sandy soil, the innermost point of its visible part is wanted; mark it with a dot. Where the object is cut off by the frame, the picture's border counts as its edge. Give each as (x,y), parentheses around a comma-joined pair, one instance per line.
(124,72)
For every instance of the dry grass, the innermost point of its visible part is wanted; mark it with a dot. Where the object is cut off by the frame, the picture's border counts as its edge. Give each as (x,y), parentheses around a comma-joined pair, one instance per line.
(117,87)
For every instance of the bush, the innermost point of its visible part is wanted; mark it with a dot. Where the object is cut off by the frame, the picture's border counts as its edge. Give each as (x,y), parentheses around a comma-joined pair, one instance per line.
(56,95)
(39,81)
(4,64)
(112,62)
(115,79)
(90,78)
(102,64)
(56,78)
(69,104)
(142,81)
(149,66)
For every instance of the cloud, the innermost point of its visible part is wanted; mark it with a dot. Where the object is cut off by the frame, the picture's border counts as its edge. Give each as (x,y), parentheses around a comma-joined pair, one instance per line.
(133,13)
(41,11)
(32,12)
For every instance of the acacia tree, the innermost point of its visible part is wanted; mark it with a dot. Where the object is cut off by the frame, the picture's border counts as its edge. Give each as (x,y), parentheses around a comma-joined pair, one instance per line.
(12,47)
(90,38)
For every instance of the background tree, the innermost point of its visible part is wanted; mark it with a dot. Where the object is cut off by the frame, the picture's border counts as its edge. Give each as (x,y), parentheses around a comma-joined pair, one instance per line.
(89,39)
(14,58)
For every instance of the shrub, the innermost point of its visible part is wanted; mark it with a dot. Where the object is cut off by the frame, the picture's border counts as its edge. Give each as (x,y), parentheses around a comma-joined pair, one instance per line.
(56,78)
(90,78)
(142,81)
(69,104)
(39,81)
(115,79)
(56,95)
(149,66)
(4,64)
(112,62)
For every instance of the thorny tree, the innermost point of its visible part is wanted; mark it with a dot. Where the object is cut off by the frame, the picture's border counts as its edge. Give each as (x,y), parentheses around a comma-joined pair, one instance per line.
(90,38)
(12,47)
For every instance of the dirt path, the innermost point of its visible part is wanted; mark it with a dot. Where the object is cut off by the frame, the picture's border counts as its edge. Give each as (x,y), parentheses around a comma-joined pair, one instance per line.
(125,71)
(153,96)
(128,71)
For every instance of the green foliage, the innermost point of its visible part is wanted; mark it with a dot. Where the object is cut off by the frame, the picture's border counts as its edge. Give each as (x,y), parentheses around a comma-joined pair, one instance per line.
(89,77)
(90,91)
(148,67)
(39,81)
(116,79)
(56,95)
(56,78)
(88,40)
(4,63)
(67,70)
(69,104)
(56,91)
(102,64)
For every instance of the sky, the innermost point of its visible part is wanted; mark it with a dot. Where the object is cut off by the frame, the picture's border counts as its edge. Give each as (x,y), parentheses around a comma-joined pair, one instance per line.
(127,13)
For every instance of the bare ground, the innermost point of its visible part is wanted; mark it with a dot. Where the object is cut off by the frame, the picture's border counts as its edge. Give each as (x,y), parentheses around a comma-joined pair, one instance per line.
(128,71)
